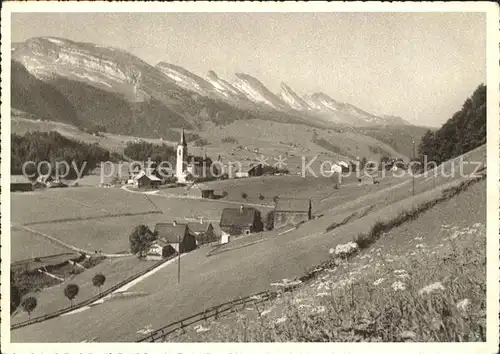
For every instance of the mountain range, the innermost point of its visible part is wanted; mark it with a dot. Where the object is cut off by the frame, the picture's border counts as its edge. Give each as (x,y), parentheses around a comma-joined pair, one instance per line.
(103,83)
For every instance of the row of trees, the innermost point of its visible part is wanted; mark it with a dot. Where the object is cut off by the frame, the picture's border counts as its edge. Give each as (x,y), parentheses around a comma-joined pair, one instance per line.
(141,151)
(51,147)
(465,131)
(30,303)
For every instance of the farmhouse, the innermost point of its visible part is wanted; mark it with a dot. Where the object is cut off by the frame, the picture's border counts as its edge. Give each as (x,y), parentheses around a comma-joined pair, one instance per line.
(291,212)
(20,183)
(159,249)
(252,170)
(204,232)
(240,221)
(176,235)
(199,190)
(144,180)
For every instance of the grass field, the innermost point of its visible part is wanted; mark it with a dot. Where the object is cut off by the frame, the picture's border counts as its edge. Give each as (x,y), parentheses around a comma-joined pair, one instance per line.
(53,299)
(422,281)
(75,202)
(26,245)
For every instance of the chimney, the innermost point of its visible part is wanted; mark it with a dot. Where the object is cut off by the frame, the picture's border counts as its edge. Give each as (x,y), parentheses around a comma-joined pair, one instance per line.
(241,210)
(174,223)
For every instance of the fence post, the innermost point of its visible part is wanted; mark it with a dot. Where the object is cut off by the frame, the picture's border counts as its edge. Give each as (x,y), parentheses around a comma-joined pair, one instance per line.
(216,313)
(182,328)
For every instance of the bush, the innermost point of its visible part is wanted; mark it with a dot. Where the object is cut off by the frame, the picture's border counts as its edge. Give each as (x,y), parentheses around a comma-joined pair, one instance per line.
(230,139)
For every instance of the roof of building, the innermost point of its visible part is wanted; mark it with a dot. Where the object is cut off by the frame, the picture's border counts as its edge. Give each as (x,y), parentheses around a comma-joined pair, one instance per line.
(19,179)
(170,233)
(160,241)
(200,186)
(198,226)
(143,174)
(238,217)
(297,205)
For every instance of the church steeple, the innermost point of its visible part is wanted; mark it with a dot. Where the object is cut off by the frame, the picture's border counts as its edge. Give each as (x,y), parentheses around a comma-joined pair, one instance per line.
(183,138)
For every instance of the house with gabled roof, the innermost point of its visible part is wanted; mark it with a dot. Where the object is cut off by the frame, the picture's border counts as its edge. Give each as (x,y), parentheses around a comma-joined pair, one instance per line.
(241,221)
(176,235)
(20,183)
(146,180)
(204,232)
(288,211)
(159,249)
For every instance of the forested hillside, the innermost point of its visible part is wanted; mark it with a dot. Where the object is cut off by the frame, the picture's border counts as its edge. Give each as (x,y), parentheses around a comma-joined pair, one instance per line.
(52,147)
(463,132)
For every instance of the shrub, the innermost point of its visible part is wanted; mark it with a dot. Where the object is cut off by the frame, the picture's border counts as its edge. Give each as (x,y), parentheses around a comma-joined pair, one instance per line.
(230,139)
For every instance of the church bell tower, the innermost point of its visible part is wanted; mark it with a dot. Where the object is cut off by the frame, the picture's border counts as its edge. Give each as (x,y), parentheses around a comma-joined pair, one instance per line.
(182,155)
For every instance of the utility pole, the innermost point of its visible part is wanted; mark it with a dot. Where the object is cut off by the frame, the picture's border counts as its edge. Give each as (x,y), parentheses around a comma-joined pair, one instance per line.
(412,172)
(179,259)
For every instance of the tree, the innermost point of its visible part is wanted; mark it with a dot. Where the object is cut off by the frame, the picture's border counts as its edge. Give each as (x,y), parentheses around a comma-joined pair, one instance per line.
(224,194)
(15,293)
(244,195)
(28,305)
(98,281)
(140,238)
(261,197)
(70,291)
(275,199)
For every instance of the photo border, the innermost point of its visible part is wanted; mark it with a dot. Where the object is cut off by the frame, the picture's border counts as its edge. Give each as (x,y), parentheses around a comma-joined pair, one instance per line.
(492,35)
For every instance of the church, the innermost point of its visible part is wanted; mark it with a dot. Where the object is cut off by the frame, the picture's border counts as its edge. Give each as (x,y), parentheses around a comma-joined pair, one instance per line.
(190,167)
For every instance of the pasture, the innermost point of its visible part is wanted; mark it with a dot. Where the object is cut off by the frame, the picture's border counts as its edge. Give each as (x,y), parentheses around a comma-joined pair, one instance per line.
(27,245)
(73,203)
(53,299)
(445,245)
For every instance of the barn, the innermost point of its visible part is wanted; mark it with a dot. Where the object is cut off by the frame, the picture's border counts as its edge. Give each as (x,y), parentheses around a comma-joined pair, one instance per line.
(199,190)
(241,221)
(204,232)
(20,183)
(291,212)
(176,235)
(143,180)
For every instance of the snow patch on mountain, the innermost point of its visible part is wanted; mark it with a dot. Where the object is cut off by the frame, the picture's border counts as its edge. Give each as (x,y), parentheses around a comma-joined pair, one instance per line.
(255,91)
(292,99)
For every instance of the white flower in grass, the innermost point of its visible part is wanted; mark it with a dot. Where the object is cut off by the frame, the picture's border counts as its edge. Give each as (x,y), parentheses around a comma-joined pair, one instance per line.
(265,312)
(378,281)
(420,245)
(200,328)
(281,320)
(304,306)
(404,276)
(463,304)
(322,294)
(477,225)
(418,238)
(346,249)
(398,285)
(319,309)
(332,251)
(400,271)
(431,288)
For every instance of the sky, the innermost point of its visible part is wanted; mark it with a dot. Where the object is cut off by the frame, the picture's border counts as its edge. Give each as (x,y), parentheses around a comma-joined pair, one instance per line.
(420,66)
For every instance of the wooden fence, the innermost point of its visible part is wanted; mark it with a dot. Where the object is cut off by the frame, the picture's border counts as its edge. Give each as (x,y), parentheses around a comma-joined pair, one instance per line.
(213,312)
(88,301)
